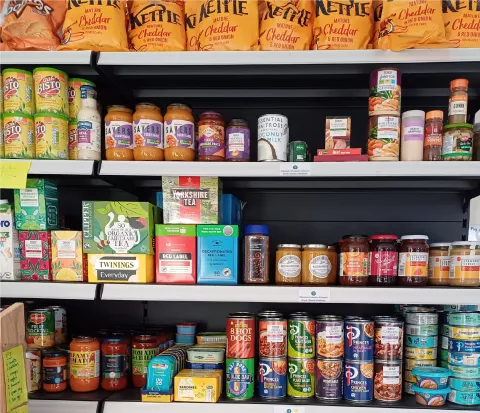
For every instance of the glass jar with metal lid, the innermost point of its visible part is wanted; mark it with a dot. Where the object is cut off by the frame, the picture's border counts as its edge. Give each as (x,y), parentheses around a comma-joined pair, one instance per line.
(316,264)
(288,268)
(413,261)
(439,263)
(383,259)
(465,264)
(333,257)
(354,260)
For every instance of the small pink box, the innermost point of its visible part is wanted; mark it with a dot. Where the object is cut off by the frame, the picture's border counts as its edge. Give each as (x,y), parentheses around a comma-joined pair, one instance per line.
(35,255)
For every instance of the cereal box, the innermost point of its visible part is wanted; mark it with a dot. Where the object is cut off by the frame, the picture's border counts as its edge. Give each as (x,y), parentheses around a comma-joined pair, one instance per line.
(120,268)
(198,386)
(36,206)
(9,251)
(35,255)
(67,256)
(191,200)
(119,227)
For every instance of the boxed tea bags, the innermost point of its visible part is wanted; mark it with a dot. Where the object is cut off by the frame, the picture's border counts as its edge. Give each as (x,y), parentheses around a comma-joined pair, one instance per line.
(35,254)
(68,259)
(9,250)
(120,268)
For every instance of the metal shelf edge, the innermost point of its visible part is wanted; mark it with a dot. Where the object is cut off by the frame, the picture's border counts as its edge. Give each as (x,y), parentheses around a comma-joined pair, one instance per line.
(46,58)
(58,167)
(47,290)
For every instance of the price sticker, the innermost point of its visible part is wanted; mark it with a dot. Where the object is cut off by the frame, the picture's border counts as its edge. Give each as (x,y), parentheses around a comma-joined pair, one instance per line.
(314,295)
(288,409)
(295,169)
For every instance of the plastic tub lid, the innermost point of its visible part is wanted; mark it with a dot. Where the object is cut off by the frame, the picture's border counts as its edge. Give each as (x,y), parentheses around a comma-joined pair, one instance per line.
(256,229)
(432,371)
(406,237)
(413,113)
(417,389)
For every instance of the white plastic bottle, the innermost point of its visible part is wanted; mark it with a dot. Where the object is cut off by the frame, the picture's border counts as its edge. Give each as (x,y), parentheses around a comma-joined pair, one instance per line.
(89,126)
(413,134)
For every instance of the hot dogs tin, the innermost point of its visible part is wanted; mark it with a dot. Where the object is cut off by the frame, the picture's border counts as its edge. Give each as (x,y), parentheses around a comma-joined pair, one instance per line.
(464,372)
(423,330)
(464,384)
(421,353)
(464,346)
(421,318)
(358,382)
(359,335)
(464,319)
(464,333)
(464,359)
(464,398)
(421,342)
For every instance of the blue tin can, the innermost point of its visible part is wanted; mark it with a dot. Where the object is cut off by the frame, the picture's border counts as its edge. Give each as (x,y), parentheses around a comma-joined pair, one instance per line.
(359,334)
(205,366)
(464,359)
(464,346)
(358,383)
(470,398)
(464,384)
(421,342)
(272,377)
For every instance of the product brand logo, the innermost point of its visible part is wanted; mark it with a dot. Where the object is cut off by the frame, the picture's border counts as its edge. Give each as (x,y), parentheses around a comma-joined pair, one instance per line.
(237,7)
(37,318)
(49,87)
(350,8)
(352,334)
(71,94)
(10,87)
(12,131)
(124,265)
(108,3)
(289,12)
(455,6)
(5,224)
(17,7)
(350,374)
(190,197)
(39,131)
(155,12)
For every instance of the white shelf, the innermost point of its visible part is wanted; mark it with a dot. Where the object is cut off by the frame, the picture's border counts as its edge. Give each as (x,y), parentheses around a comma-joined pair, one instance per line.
(62,406)
(47,290)
(57,167)
(45,58)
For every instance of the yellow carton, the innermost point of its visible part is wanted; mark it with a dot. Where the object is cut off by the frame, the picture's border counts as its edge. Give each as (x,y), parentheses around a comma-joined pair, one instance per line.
(120,268)
(67,256)
(198,386)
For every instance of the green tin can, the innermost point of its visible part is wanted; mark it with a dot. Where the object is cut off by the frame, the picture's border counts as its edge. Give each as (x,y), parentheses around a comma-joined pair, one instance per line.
(240,378)
(298,152)
(301,378)
(41,328)
(301,336)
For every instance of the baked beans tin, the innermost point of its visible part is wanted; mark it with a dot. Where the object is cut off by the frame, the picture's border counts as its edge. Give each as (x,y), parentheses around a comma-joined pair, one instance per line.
(329,336)
(358,382)
(301,378)
(423,330)
(464,319)
(464,333)
(421,342)
(272,333)
(60,324)
(359,335)
(33,367)
(240,378)
(464,346)
(407,387)
(329,379)
(410,364)
(387,386)
(272,378)
(464,359)
(388,339)
(421,353)
(301,336)
(241,335)
(464,372)
(421,318)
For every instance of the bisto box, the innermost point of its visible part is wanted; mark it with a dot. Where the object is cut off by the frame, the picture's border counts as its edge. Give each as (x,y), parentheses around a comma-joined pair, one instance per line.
(9,249)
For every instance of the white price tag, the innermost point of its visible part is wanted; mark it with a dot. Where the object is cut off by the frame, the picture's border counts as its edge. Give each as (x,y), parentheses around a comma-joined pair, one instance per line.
(295,169)
(314,295)
(474,233)
(288,409)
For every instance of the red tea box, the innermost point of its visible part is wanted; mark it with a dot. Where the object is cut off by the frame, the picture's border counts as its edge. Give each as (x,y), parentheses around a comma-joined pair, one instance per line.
(175,254)
(35,255)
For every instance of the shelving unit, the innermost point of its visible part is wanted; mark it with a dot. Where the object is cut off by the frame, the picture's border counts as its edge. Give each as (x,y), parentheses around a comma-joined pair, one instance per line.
(47,290)
(55,167)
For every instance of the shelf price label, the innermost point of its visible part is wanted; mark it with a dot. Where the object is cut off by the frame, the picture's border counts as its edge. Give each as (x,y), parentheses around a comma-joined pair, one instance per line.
(313,295)
(295,169)
(288,409)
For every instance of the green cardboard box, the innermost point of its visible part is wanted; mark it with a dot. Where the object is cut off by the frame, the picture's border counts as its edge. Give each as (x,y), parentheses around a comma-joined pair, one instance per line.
(119,227)
(36,206)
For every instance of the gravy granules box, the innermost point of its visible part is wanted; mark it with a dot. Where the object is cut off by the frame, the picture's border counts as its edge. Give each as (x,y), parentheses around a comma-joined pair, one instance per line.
(9,250)
(176,254)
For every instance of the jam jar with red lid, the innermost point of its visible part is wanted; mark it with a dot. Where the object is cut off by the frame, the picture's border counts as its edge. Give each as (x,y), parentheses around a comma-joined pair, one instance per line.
(354,260)
(383,260)
(413,261)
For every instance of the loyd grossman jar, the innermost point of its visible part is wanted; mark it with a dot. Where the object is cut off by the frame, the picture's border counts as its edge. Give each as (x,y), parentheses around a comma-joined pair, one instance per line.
(413,261)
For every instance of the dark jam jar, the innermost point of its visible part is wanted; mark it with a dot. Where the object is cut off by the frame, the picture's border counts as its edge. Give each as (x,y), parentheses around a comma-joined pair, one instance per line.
(354,260)
(413,261)
(383,260)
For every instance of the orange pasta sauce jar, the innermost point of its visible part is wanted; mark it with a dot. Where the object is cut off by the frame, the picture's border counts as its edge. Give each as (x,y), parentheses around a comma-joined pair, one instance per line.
(179,132)
(119,134)
(84,364)
(147,133)
(54,371)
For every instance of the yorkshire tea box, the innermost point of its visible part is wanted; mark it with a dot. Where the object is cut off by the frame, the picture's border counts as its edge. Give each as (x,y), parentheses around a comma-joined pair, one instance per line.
(35,253)
(68,259)
(120,268)
(119,227)
(191,200)
(198,386)
(36,206)
(9,250)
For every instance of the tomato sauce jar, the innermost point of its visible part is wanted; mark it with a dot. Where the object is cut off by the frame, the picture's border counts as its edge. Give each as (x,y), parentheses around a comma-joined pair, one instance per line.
(54,371)
(84,364)
(114,363)
(413,261)
(144,348)
(354,260)
(383,260)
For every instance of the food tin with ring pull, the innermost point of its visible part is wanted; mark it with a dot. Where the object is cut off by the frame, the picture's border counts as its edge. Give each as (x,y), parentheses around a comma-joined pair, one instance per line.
(464,398)
(464,384)
(464,333)
(464,359)
(464,346)
(423,330)
(421,353)
(421,318)
(464,319)
(421,342)
(464,372)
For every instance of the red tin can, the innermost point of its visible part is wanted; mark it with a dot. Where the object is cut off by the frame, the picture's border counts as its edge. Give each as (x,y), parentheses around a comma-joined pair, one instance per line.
(272,334)
(241,335)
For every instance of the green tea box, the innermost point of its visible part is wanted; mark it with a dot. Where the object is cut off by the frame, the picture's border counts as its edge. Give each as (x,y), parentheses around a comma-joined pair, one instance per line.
(119,227)
(36,206)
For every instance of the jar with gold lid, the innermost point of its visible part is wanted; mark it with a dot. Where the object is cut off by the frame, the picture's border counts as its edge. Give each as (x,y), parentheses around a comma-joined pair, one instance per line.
(439,263)
(316,264)
(465,264)
(288,268)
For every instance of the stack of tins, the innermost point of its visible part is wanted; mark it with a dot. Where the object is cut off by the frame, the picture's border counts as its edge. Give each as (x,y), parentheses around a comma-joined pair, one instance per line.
(240,356)
(421,341)
(442,356)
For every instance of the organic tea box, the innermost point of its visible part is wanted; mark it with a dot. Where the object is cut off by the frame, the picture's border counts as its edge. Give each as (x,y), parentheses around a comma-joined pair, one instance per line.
(191,200)
(120,268)
(68,257)
(35,255)
(176,254)
(36,206)
(119,227)
(9,250)
(217,254)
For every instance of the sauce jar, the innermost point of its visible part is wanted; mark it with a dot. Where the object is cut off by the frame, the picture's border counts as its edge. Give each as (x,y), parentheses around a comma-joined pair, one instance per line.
(144,348)
(288,269)
(457,142)
(256,255)
(237,141)
(316,264)
(432,145)
(458,104)
(179,132)
(439,263)
(211,137)
(333,257)
(54,371)
(84,364)
(354,260)
(413,261)
(147,133)
(383,260)
(465,264)
(119,134)
(114,363)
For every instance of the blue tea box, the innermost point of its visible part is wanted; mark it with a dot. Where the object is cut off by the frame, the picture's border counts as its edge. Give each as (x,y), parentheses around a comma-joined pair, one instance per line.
(231,210)
(217,254)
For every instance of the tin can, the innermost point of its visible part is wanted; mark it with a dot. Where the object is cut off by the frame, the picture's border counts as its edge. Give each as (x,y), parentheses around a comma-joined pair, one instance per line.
(358,382)
(273,138)
(73,140)
(51,136)
(18,92)
(421,342)
(241,335)
(410,364)
(34,369)
(329,379)
(301,336)
(464,359)
(384,137)
(464,372)
(387,385)
(74,99)
(298,151)
(329,336)
(444,330)
(409,376)
(272,377)
(388,339)
(421,318)
(301,378)
(444,342)
(464,384)
(240,378)
(18,133)
(464,398)
(464,319)
(51,91)
(461,307)
(41,328)
(443,354)
(2,143)
(421,353)
(272,333)
(385,91)
(407,387)
(464,333)
(359,333)
(60,324)
(464,346)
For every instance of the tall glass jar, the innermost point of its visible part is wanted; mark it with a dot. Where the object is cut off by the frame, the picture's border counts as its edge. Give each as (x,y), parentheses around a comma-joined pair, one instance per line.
(211,137)
(256,254)
(288,269)
(179,133)
(237,141)
(54,371)
(439,263)
(114,363)
(354,260)
(144,348)
(383,260)
(432,145)
(465,264)
(84,364)
(316,264)
(413,261)
(147,133)
(458,105)
(119,133)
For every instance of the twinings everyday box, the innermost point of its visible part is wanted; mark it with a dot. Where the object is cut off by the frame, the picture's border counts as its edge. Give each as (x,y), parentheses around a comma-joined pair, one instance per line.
(120,268)
(198,386)
(35,255)
(68,260)
(9,249)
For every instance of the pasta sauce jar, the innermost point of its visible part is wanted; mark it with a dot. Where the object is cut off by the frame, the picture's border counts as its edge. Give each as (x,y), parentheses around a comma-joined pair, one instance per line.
(354,260)
(289,264)
(54,371)
(84,364)
(119,134)
(179,132)
(413,261)
(114,363)
(211,137)
(147,133)
(145,347)
(383,260)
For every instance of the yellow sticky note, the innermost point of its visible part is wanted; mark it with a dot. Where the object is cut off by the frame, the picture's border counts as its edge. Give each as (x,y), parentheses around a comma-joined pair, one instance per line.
(13,174)
(15,380)
(22,409)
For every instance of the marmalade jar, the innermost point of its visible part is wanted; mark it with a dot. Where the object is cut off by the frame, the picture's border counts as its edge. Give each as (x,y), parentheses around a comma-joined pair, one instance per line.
(316,264)
(114,363)
(84,364)
(54,371)
(211,137)
(354,260)
(119,134)
(288,269)
(413,261)
(383,260)
(179,133)
(465,264)
(439,263)
(147,133)
(145,347)
(333,257)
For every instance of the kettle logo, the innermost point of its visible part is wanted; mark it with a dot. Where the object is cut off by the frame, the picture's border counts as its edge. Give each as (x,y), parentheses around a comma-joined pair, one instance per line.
(350,374)
(352,334)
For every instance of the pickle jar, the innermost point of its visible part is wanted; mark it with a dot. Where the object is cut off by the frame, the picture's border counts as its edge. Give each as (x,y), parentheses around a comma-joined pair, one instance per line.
(354,260)
(316,264)
(465,264)
(288,269)
(413,261)
(439,263)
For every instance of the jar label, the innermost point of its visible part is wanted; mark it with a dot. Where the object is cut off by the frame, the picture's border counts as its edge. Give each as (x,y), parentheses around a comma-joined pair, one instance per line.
(320,266)
(413,264)
(391,375)
(238,143)
(413,132)
(257,260)
(114,366)
(289,266)
(390,335)
(383,263)
(457,143)
(148,133)
(55,375)
(438,267)
(89,135)
(388,128)
(140,359)
(118,134)
(354,264)
(465,267)
(458,105)
(433,139)
(179,133)
(84,364)
(211,140)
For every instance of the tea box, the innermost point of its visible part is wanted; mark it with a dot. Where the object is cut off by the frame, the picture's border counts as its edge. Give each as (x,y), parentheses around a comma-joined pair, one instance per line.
(9,250)
(191,200)
(35,255)
(176,254)
(190,386)
(67,256)
(119,227)
(217,254)
(120,268)
(36,206)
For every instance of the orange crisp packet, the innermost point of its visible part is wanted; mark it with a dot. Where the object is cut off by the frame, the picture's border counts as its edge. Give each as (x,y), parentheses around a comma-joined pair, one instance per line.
(462,23)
